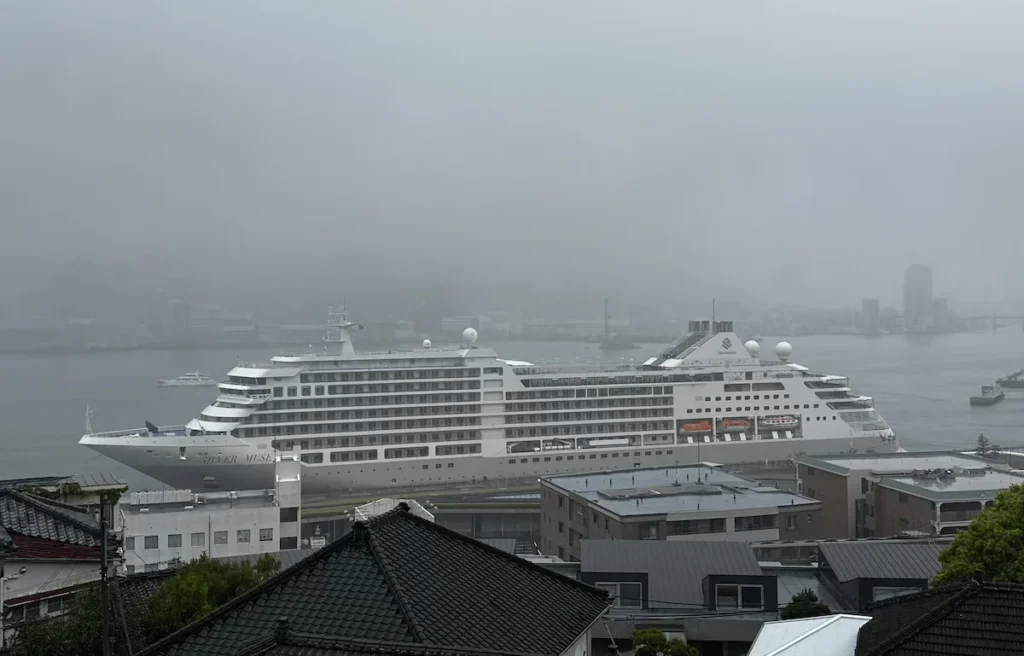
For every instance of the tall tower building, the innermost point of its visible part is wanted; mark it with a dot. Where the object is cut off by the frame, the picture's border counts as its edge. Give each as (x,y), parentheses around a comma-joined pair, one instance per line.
(917,298)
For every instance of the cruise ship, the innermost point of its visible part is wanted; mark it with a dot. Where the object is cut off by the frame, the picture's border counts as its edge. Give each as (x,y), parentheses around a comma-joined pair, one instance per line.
(462,414)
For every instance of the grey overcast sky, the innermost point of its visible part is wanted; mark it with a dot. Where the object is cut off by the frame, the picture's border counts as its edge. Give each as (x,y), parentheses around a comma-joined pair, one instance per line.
(775,151)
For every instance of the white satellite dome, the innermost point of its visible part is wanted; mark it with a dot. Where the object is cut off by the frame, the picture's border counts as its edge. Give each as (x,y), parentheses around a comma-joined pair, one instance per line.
(469,335)
(426,343)
(783,350)
(753,348)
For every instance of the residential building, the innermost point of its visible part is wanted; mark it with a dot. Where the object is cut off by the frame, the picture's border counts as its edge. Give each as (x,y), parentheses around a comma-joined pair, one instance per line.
(48,551)
(860,573)
(714,595)
(83,491)
(401,584)
(835,635)
(848,489)
(696,502)
(165,528)
(936,503)
(975,618)
(917,298)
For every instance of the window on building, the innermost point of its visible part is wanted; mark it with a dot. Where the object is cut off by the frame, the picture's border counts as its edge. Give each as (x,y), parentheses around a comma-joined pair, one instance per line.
(152,542)
(293,391)
(266,534)
(790,522)
(904,498)
(561,527)
(58,604)
(174,540)
(648,531)
(289,543)
(696,526)
(746,597)
(242,536)
(865,485)
(32,610)
(289,514)
(757,522)
(624,594)
(129,544)
(220,537)
(130,569)
(199,539)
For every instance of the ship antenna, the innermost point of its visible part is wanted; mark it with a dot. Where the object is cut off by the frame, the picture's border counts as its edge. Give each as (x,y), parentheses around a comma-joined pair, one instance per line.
(606,317)
(88,420)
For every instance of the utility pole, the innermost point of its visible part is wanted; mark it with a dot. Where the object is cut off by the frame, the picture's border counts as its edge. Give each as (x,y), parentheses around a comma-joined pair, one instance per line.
(105,640)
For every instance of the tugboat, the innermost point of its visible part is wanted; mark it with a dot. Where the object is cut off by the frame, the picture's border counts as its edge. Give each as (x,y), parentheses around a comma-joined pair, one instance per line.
(1012,384)
(990,395)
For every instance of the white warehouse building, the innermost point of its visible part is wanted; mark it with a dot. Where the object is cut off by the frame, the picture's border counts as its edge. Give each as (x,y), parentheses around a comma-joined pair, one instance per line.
(166,528)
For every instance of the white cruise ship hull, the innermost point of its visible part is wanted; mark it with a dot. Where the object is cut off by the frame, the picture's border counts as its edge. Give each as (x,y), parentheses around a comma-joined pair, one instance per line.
(233,464)
(461,414)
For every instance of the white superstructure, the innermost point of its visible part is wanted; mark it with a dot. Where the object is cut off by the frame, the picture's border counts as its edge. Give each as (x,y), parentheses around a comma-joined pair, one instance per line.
(461,414)
(194,379)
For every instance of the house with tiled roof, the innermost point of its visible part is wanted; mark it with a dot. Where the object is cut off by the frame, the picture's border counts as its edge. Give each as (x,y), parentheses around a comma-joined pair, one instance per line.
(48,551)
(404,585)
(976,619)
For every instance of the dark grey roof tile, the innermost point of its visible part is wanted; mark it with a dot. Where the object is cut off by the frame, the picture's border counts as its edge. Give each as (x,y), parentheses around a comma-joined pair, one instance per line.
(26,514)
(402,579)
(972,620)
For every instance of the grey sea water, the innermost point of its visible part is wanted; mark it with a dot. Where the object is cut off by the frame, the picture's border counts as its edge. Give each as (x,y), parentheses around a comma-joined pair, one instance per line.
(920,385)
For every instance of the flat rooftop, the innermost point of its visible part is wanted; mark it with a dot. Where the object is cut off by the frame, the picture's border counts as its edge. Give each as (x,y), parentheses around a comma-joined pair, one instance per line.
(896,462)
(961,486)
(167,501)
(666,491)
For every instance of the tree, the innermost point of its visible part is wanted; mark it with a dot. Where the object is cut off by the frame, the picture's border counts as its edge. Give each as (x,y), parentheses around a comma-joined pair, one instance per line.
(77,631)
(992,547)
(652,642)
(195,590)
(982,444)
(198,588)
(804,604)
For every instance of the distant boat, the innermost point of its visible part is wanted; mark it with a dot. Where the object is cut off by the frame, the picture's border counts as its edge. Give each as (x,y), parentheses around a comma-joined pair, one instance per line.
(194,379)
(990,395)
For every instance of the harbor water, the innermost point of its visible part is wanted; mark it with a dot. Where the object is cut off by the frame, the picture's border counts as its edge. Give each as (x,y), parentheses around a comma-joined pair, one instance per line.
(921,385)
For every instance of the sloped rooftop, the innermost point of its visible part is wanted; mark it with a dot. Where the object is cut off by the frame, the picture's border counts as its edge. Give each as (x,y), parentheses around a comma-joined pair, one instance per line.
(882,560)
(676,569)
(972,620)
(40,528)
(403,581)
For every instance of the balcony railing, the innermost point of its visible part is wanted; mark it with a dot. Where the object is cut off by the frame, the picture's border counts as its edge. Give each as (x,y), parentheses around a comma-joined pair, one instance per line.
(958,515)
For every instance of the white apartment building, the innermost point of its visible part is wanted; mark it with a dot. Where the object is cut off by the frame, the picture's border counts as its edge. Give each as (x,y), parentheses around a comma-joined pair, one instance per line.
(165,528)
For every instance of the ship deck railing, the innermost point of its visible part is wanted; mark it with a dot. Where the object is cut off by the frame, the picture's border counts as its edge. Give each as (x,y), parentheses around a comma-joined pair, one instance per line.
(175,431)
